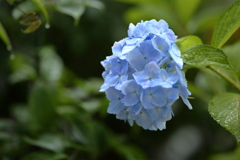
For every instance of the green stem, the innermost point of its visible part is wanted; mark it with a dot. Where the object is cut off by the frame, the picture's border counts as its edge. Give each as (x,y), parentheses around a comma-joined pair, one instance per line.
(225,77)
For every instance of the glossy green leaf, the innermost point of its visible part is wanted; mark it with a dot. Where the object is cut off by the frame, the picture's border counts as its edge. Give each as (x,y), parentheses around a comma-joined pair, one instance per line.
(41,107)
(41,6)
(228,23)
(205,55)
(4,37)
(184,11)
(53,142)
(187,42)
(224,108)
(71,8)
(51,65)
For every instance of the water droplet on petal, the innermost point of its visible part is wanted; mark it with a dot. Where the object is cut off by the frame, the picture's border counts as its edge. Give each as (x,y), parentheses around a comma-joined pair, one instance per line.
(12,57)
(47,26)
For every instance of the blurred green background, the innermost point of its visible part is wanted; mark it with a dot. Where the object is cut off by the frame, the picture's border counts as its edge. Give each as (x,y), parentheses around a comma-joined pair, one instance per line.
(50,105)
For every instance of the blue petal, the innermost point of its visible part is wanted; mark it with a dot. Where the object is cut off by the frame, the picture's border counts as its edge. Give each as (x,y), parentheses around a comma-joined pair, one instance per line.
(143,119)
(160,44)
(147,99)
(159,96)
(132,92)
(123,115)
(172,94)
(113,94)
(152,97)
(110,80)
(149,52)
(136,59)
(184,93)
(131,29)
(152,70)
(117,48)
(137,108)
(166,114)
(126,49)
(115,106)
(131,99)
(161,124)
(175,54)
(154,113)
(167,79)
(139,31)
(115,97)
(149,77)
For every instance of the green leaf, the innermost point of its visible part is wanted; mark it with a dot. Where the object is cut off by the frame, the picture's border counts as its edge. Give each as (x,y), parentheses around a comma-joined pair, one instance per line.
(186,11)
(41,107)
(53,142)
(71,8)
(22,69)
(224,108)
(204,20)
(94,4)
(204,55)
(26,6)
(41,6)
(4,37)
(11,1)
(187,42)
(29,18)
(232,52)
(228,23)
(51,65)
(45,156)
(35,25)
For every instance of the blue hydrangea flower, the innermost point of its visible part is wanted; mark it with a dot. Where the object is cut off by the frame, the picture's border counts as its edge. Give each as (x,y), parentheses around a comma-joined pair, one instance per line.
(143,77)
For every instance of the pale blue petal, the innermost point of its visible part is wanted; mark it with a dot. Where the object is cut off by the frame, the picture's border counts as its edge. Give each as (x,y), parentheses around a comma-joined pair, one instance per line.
(139,31)
(131,99)
(147,99)
(136,59)
(158,96)
(144,120)
(110,80)
(123,114)
(115,106)
(149,52)
(137,108)
(152,70)
(131,29)
(160,44)
(126,49)
(161,124)
(117,47)
(184,93)
(175,54)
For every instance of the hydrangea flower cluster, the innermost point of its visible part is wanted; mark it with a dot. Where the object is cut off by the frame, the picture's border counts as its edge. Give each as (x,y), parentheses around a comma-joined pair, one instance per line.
(143,77)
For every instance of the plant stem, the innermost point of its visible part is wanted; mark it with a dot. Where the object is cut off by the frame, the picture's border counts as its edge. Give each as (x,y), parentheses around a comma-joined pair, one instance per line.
(236,85)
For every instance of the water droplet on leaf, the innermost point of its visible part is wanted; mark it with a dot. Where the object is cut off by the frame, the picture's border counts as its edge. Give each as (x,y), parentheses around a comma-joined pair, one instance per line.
(9,48)
(12,57)
(47,26)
